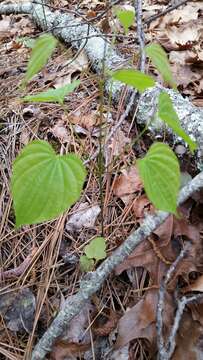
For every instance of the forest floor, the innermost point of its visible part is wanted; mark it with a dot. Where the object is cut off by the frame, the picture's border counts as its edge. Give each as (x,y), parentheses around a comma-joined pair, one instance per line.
(40,265)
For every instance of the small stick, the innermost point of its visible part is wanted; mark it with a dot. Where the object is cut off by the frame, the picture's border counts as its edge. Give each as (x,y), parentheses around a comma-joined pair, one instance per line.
(164,12)
(165,351)
(94,280)
(140,33)
(160,306)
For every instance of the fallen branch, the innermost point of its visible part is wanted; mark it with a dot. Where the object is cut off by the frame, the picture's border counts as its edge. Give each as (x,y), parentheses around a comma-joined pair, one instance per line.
(94,280)
(79,34)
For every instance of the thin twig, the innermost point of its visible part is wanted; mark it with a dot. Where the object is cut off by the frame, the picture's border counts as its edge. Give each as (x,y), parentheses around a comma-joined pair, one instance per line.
(140,33)
(160,307)
(164,12)
(94,280)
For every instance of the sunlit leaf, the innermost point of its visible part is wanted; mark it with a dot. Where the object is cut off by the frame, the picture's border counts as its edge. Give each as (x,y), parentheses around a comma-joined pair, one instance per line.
(96,249)
(160,173)
(41,52)
(53,95)
(167,113)
(126,18)
(160,60)
(134,78)
(44,184)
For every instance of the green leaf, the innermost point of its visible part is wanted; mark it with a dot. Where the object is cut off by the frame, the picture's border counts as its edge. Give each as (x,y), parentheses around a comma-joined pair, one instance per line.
(53,95)
(126,18)
(44,184)
(96,249)
(167,113)
(160,60)
(134,78)
(86,264)
(41,52)
(160,173)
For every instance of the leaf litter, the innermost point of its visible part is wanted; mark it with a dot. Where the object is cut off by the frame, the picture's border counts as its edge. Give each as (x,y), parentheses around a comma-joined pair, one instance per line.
(49,277)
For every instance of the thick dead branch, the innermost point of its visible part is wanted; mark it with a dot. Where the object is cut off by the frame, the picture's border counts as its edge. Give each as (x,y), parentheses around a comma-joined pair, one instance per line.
(190,116)
(94,280)
(81,34)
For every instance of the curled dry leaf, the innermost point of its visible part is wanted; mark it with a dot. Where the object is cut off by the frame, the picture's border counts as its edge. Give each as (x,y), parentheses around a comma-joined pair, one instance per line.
(127,184)
(85,216)
(141,207)
(197,285)
(86,121)
(69,67)
(60,131)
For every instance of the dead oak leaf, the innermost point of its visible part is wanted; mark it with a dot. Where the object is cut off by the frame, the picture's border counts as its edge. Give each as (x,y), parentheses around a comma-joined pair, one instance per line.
(127,184)
(188,339)
(140,320)
(156,254)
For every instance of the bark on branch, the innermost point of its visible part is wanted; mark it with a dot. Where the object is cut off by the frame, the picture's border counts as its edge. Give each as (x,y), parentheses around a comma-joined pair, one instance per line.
(94,280)
(81,34)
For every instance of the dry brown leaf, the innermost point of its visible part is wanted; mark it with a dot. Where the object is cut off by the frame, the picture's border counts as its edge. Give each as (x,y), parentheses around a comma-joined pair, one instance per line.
(65,350)
(155,255)
(86,121)
(188,340)
(118,142)
(141,207)
(197,285)
(60,131)
(128,183)
(85,216)
(183,35)
(140,320)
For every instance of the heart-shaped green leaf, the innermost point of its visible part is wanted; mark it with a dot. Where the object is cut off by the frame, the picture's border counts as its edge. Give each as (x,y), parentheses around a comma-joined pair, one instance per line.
(53,95)
(160,60)
(96,249)
(44,184)
(86,264)
(126,18)
(167,113)
(160,173)
(134,78)
(41,52)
